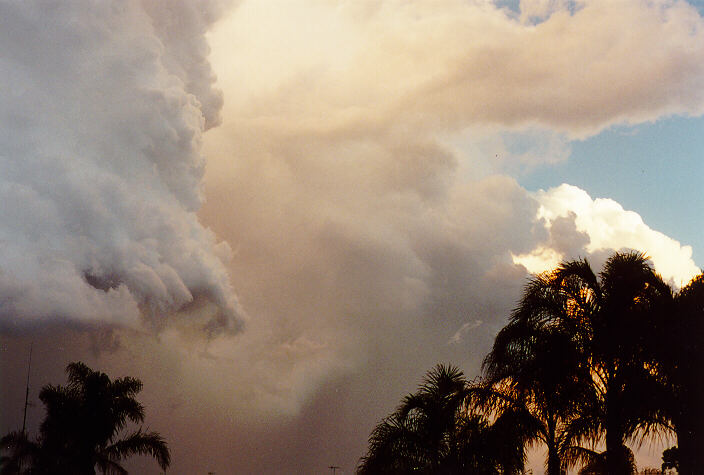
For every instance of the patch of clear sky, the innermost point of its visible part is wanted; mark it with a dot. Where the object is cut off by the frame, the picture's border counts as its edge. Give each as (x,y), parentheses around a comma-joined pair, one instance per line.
(655,169)
(513,5)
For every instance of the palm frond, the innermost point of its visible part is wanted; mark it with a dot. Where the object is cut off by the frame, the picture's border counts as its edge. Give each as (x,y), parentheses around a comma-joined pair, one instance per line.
(141,443)
(23,452)
(580,271)
(109,467)
(575,455)
(123,408)
(78,372)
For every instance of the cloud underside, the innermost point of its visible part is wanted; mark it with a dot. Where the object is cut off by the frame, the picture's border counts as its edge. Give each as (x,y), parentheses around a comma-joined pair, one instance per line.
(103,110)
(375,66)
(361,182)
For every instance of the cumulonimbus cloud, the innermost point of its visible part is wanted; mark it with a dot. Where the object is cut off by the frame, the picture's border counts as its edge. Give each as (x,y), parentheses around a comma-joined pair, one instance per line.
(102,113)
(358,175)
(351,176)
(581,226)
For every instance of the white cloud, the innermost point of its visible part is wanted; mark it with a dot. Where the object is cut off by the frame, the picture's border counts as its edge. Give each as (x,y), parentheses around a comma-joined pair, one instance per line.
(332,67)
(608,227)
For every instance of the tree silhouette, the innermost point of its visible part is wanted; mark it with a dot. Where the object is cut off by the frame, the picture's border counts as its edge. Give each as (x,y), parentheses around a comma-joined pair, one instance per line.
(535,365)
(613,317)
(585,360)
(680,339)
(493,441)
(439,429)
(24,453)
(81,429)
(597,464)
(420,434)
(580,349)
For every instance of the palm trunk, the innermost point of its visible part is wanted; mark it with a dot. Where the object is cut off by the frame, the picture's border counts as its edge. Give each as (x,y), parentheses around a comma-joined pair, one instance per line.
(87,469)
(553,461)
(553,456)
(85,461)
(617,460)
(615,463)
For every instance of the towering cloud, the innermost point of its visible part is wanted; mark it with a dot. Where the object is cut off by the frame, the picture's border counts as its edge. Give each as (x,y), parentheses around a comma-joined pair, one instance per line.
(364,176)
(364,155)
(579,225)
(102,112)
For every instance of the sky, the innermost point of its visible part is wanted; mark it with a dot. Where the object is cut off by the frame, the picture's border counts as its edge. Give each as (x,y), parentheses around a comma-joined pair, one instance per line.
(280,214)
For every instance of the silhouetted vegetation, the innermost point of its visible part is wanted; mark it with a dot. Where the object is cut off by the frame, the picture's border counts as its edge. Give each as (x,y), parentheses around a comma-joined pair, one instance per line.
(442,429)
(681,359)
(536,364)
(81,429)
(671,459)
(585,361)
(602,328)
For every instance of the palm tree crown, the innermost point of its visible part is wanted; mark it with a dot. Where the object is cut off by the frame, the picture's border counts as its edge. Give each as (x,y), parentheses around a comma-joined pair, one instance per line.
(81,430)
(535,367)
(440,429)
(602,328)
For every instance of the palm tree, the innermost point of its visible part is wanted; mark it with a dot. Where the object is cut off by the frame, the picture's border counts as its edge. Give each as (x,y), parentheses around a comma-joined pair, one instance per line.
(439,429)
(578,334)
(419,435)
(535,367)
(394,448)
(681,357)
(81,430)
(613,317)
(490,442)
(432,412)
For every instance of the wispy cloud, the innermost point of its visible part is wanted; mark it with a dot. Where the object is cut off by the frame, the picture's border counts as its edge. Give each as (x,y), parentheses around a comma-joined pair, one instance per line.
(459,334)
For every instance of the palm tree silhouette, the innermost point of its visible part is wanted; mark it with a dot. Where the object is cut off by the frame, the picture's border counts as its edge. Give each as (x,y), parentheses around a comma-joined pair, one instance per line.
(535,367)
(81,430)
(440,430)
(681,357)
(579,348)
(597,463)
(419,435)
(613,319)
(492,442)
(23,453)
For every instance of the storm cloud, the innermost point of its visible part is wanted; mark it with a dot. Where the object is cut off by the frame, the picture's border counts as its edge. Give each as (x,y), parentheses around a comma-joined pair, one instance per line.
(355,195)
(103,110)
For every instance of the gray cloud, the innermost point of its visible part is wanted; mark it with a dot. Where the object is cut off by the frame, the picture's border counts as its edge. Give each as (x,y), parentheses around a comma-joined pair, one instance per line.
(353,178)
(103,109)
